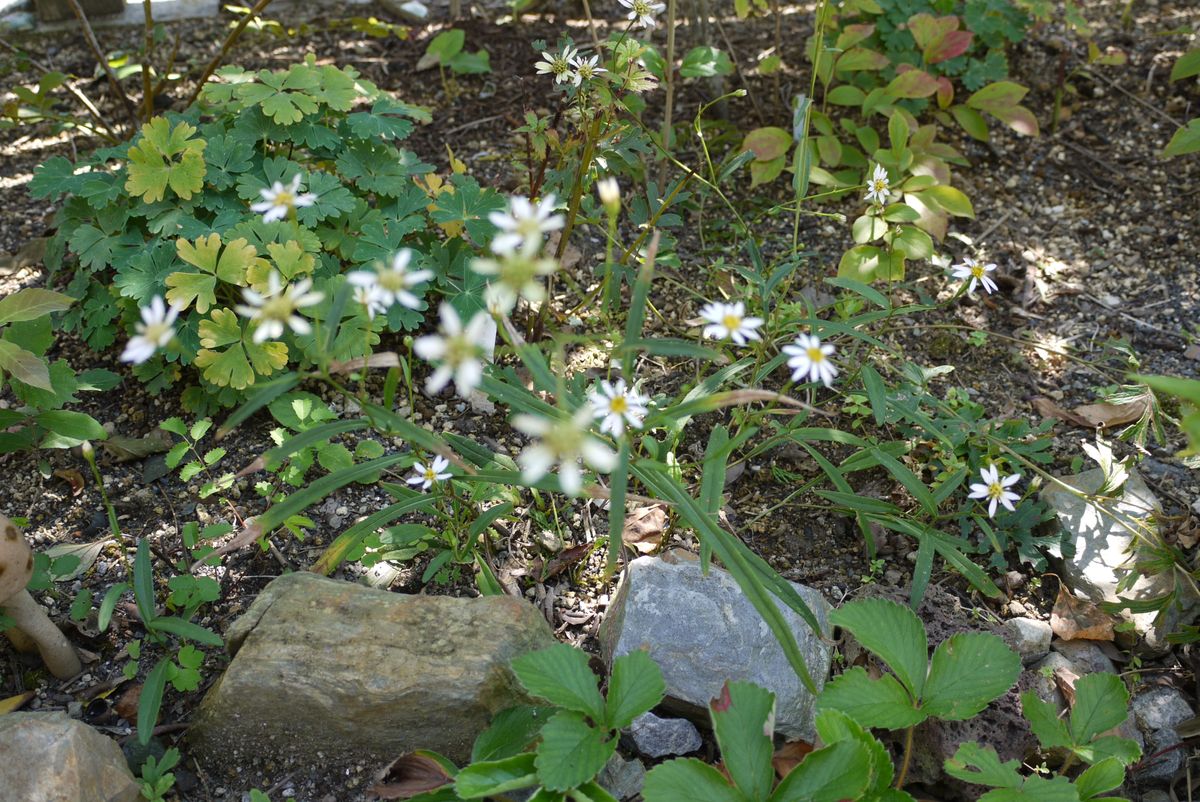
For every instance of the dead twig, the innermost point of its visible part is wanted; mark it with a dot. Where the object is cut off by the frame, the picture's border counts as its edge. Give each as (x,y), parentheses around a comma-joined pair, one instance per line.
(94,44)
(83,99)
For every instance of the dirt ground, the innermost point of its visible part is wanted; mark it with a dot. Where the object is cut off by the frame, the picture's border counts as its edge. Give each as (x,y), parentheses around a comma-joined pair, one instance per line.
(1095,240)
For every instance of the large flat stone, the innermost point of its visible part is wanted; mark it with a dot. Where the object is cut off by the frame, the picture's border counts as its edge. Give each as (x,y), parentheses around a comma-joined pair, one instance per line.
(332,667)
(703,631)
(49,757)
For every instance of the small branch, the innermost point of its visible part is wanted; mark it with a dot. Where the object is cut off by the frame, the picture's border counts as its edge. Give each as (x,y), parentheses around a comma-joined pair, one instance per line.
(669,76)
(94,44)
(147,86)
(233,36)
(70,85)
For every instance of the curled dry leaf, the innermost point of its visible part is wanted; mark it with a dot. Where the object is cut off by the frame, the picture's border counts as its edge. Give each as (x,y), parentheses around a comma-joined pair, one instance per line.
(644,528)
(72,477)
(1064,680)
(1074,618)
(1109,415)
(1048,409)
(127,705)
(408,776)
(789,756)
(383,359)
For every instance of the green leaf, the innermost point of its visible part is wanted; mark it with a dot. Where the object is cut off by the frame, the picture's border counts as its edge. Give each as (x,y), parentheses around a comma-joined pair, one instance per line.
(24,366)
(185,629)
(72,425)
(634,687)
(31,303)
(470,205)
(837,772)
(491,777)
(881,703)
(740,718)
(334,457)
(143,581)
(1185,140)
(54,178)
(243,359)
(1125,750)
(968,670)
(834,726)
(876,395)
(949,200)
(688,779)
(166,157)
(1187,65)
(571,751)
(443,47)
(971,121)
(509,733)
(1103,776)
(768,143)
(230,265)
(907,478)
(705,62)
(109,604)
(981,765)
(1051,731)
(465,63)
(893,633)
(146,274)
(561,676)
(150,700)
(1101,703)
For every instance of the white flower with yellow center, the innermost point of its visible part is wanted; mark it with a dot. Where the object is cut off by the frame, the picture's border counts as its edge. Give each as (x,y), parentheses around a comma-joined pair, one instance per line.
(426,475)
(994,489)
(808,357)
(517,275)
(373,298)
(642,12)
(457,351)
(557,64)
(729,322)
(878,187)
(394,283)
(616,406)
(275,310)
(562,442)
(586,69)
(156,330)
(976,272)
(278,201)
(523,224)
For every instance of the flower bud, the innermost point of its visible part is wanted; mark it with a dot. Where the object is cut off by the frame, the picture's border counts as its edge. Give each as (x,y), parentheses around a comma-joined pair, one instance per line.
(610,194)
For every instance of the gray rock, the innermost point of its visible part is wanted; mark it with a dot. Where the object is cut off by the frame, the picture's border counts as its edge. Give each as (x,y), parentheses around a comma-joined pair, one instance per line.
(660,737)
(322,666)
(1157,712)
(407,10)
(1087,657)
(1155,795)
(622,778)
(703,631)
(1102,541)
(48,757)
(1030,638)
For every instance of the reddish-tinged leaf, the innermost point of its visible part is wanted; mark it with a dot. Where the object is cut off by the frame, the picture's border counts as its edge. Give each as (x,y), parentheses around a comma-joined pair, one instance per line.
(72,477)
(408,776)
(722,702)
(954,43)
(927,29)
(1018,118)
(913,84)
(852,35)
(789,756)
(997,95)
(1074,618)
(860,58)
(767,143)
(945,92)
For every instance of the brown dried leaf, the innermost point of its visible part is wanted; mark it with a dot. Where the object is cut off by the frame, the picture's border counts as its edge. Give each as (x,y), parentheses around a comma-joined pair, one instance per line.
(14,703)
(408,776)
(1064,680)
(789,756)
(1048,409)
(1074,618)
(72,477)
(1112,414)
(644,528)
(383,359)
(565,559)
(127,706)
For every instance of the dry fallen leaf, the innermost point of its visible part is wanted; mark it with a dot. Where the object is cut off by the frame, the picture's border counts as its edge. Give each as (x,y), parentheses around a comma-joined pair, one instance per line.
(789,756)
(1112,414)
(1074,618)
(408,776)
(127,706)
(72,477)
(1064,680)
(1048,409)
(644,528)
(14,703)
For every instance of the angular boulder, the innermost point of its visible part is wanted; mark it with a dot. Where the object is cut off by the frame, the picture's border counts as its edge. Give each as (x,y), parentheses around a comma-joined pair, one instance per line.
(50,757)
(331,667)
(703,631)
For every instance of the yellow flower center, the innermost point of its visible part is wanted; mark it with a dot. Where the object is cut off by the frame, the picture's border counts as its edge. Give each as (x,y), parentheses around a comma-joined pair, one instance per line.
(279,308)
(156,331)
(880,184)
(732,322)
(995,490)
(392,280)
(285,198)
(815,354)
(619,405)
(977,271)
(642,9)
(430,476)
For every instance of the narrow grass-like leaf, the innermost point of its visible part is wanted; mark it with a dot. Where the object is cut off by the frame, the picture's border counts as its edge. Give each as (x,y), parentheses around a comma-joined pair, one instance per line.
(618,482)
(150,700)
(303,499)
(262,395)
(876,393)
(143,581)
(335,553)
(109,604)
(185,629)
(907,478)
(858,288)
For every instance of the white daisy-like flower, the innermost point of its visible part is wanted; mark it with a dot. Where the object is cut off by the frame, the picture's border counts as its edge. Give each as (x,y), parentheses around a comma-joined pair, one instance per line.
(565,443)
(993,488)
(878,187)
(616,406)
(586,69)
(642,12)
(729,321)
(373,298)
(393,282)
(275,309)
(155,331)
(557,64)
(517,275)
(426,475)
(457,350)
(523,224)
(279,201)
(609,193)
(977,274)
(808,357)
